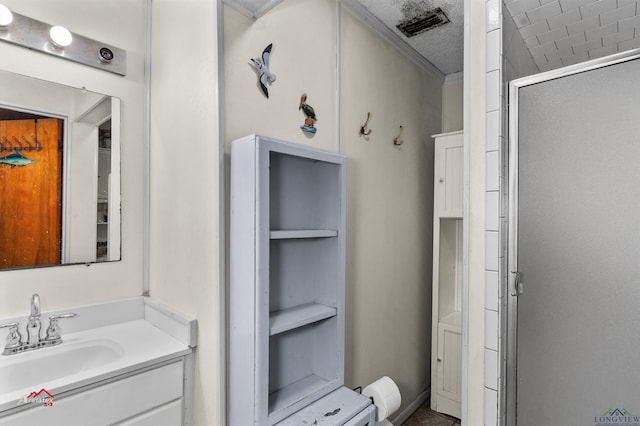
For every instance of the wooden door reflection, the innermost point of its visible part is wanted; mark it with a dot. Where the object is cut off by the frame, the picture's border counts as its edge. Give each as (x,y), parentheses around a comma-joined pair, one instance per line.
(31,194)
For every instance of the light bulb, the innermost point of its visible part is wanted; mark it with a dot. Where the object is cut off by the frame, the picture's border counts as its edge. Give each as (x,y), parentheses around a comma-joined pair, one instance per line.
(60,37)
(6,17)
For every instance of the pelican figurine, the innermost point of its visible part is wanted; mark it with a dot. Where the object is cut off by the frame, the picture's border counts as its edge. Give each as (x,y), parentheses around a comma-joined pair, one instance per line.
(309,112)
(262,66)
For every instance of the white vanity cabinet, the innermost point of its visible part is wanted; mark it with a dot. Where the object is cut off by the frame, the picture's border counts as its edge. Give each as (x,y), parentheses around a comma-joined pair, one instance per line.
(153,396)
(287,281)
(127,362)
(446,356)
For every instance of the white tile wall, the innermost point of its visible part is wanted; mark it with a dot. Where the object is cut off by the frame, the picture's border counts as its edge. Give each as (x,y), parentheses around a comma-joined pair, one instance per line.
(564,19)
(492,217)
(492,248)
(514,60)
(494,94)
(545,12)
(490,407)
(491,369)
(630,44)
(493,171)
(494,48)
(493,15)
(491,335)
(491,283)
(614,15)
(629,22)
(598,7)
(553,35)
(493,130)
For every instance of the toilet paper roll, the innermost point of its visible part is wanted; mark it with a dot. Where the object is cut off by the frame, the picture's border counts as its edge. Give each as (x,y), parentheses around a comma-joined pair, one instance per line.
(386,397)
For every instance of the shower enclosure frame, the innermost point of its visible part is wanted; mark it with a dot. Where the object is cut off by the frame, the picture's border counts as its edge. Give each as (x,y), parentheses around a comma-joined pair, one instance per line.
(510,286)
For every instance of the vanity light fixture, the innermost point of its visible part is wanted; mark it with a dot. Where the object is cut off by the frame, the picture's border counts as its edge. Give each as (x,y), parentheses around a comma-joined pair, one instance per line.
(60,37)
(58,41)
(6,17)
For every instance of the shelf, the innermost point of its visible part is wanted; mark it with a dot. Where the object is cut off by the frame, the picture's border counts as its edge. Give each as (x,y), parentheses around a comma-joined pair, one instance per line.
(288,395)
(303,233)
(288,319)
(287,279)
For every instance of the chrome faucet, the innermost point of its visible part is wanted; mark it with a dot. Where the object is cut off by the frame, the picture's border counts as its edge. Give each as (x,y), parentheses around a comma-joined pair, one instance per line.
(14,338)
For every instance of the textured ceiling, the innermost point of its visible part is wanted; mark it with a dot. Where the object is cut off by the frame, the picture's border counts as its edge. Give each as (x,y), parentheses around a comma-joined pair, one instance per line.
(565,32)
(443,46)
(557,32)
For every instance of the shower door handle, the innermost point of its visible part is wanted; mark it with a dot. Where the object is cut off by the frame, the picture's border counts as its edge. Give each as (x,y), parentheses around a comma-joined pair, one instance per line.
(518,285)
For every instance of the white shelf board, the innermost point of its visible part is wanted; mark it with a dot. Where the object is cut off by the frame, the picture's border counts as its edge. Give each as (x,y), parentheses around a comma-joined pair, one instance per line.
(288,319)
(288,395)
(303,233)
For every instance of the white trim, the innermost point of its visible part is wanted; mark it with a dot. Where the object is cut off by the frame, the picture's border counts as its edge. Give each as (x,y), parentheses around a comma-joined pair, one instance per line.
(238,7)
(175,324)
(577,68)
(457,132)
(221,367)
(146,164)
(188,389)
(338,75)
(387,34)
(454,76)
(413,407)
(465,213)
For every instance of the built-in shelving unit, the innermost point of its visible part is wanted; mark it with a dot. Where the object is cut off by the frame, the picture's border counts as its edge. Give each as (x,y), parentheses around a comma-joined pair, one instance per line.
(287,278)
(102,209)
(446,357)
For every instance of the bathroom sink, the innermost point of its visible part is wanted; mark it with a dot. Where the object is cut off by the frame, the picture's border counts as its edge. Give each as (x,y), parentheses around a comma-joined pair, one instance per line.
(31,370)
(86,357)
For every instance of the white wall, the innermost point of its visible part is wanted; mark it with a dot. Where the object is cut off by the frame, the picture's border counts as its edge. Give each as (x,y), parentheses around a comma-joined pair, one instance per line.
(185,210)
(389,210)
(452,103)
(303,60)
(66,286)
(389,189)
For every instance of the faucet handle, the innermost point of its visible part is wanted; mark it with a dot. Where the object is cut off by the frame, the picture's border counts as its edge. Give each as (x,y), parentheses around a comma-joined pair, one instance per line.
(14,338)
(53,331)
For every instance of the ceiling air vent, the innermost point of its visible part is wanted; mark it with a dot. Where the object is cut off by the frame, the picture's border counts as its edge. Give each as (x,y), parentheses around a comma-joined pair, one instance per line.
(423,22)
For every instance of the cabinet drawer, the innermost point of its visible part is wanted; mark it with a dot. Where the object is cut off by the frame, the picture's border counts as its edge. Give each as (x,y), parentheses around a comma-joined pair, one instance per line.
(167,415)
(109,403)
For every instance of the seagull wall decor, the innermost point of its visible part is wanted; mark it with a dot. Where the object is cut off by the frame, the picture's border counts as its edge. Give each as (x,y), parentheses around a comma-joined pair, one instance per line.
(262,67)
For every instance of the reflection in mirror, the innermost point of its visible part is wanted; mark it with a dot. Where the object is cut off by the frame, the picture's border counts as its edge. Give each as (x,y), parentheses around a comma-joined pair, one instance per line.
(59,174)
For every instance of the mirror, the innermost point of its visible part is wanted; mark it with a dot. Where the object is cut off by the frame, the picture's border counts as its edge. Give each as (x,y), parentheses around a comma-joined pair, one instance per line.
(59,174)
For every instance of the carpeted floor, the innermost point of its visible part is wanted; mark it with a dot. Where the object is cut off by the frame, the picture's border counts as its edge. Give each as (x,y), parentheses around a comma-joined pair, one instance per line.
(424,416)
